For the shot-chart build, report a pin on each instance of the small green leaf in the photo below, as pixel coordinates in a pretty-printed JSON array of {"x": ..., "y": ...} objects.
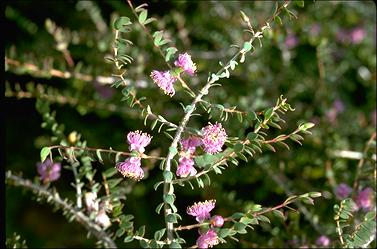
[
  {"x": 144, "y": 244},
  {"x": 251, "y": 116},
  {"x": 268, "y": 113},
  {"x": 128, "y": 239},
  {"x": 238, "y": 147},
  {"x": 173, "y": 150},
  {"x": 121, "y": 22},
  {"x": 251, "y": 136},
  {"x": 238, "y": 226},
  {"x": 263, "y": 218},
  {"x": 169, "y": 199},
  {"x": 304, "y": 127},
  {"x": 168, "y": 176},
  {"x": 237, "y": 215},
  {"x": 143, "y": 16},
  {"x": 174, "y": 244},
  {"x": 246, "y": 47},
  {"x": 370, "y": 215},
  {"x": 279, "y": 214},
  {"x": 170, "y": 52},
  {"x": 141, "y": 231},
  {"x": 171, "y": 218},
  {"x": 315, "y": 194},
  {"x": 44, "y": 153},
  {"x": 278, "y": 20},
  {"x": 245, "y": 220},
  {"x": 159, "y": 207},
  {"x": 98, "y": 153},
  {"x": 256, "y": 208},
  {"x": 158, "y": 234},
  {"x": 110, "y": 172}
]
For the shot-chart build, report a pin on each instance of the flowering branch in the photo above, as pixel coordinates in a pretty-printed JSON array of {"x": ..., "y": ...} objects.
[
  {"x": 204, "y": 91},
  {"x": 84, "y": 220}
]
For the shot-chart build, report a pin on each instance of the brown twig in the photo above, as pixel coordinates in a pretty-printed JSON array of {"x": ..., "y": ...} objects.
[{"x": 103, "y": 150}]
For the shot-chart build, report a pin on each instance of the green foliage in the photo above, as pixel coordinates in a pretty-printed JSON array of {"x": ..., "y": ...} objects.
[{"x": 321, "y": 68}]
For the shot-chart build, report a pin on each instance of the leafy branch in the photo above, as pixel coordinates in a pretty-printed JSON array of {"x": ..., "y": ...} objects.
[{"x": 68, "y": 208}]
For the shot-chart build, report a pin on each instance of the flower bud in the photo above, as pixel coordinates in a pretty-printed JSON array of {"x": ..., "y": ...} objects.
[{"x": 217, "y": 221}]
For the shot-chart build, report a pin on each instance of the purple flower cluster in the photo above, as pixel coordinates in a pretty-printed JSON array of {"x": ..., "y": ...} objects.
[
  {"x": 291, "y": 41},
  {"x": 184, "y": 61},
  {"x": 364, "y": 199},
  {"x": 214, "y": 137},
  {"x": 186, "y": 163},
  {"x": 332, "y": 113},
  {"x": 212, "y": 140},
  {"x": 342, "y": 191},
  {"x": 207, "y": 239},
  {"x": 186, "y": 167},
  {"x": 48, "y": 170},
  {"x": 165, "y": 80},
  {"x": 201, "y": 212},
  {"x": 131, "y": 167},
  {"x": 138, "y": 140},
  {"x": 323, "y": 240},
  {"x": 354, "y": 36}
]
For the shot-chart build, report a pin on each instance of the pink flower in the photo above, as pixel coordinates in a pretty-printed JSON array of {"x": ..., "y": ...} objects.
[
  {"x": 184, "y": 61},
  {"x": 48, "y": 170},
  {"x": 165, "y": 81},
  {"x": 342, "y": 191},
  {"x": 217, "y": 221},
  {"x": 357, "y": 35},
  {"x": 201, "y": 210},
  {"x": 207, "y": 239},
  {"x": 365, "y": 199},
  {"x": 131, "y": 168},
  {"x": 323, "y": 241},
  {"x": 186, "y": 167},
  {"x": 214, "y": 137},
  {"x": 291, "y": 41},
  {"x": 138, "y": 140},
  {"x": 190, "y": 143}
]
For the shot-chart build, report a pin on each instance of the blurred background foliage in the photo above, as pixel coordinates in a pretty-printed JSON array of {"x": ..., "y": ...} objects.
[{"x": 324, "y": 63}]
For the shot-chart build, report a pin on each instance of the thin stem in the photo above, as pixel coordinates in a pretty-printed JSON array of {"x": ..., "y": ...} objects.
[
  {"x": 77, "y": 185},
  {"x": 81, "y": 218},
  {"x": 267, "y": 210},
  {"x": 104, "y": 150},
  {"x": 282, "y": 181},
  {"x": 29, "y": 67},
  {"x": 180, "y": 228},
  {"x": 148, "y": 240},
  {"x": 63, "y": 100}
]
